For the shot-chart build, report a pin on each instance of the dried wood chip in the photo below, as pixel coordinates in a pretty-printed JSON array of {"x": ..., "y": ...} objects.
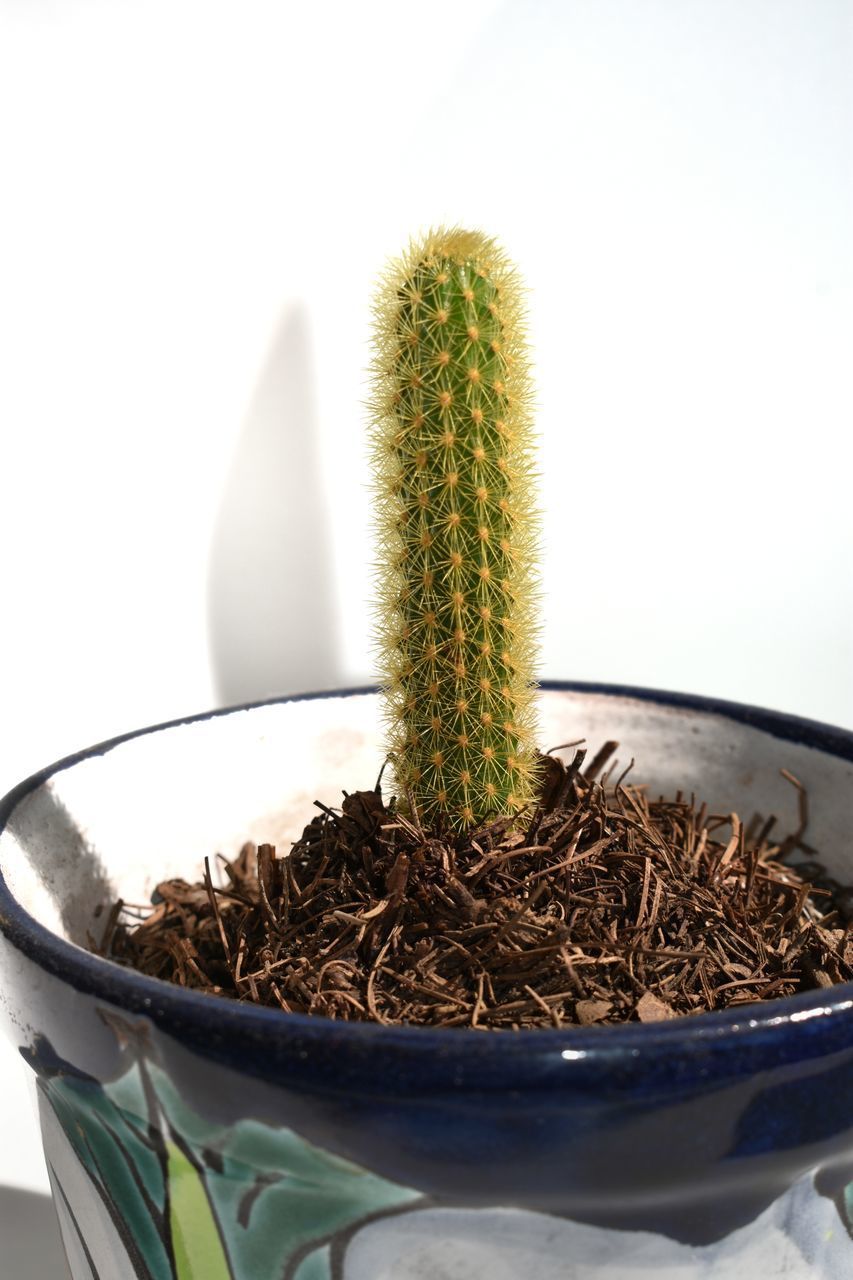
[
  {"x": 652, "y": 1009},
  {"x": 589, "y": 1011}
]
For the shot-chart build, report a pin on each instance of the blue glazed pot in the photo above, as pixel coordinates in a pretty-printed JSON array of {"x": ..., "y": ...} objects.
[{"x": 194, "y": 1138}]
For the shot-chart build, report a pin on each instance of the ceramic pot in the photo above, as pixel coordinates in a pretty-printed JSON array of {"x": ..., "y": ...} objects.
[{"x": 194, "y": 1138}]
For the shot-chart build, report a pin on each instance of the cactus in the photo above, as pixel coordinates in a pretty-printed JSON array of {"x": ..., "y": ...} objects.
[{"x": 452, "y": 455}]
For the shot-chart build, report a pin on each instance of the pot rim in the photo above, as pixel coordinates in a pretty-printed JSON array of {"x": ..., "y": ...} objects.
[{"x": 175, "y": 1007}]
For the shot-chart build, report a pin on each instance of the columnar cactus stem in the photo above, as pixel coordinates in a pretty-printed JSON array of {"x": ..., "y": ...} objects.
[{"x": 452, "y": 449}]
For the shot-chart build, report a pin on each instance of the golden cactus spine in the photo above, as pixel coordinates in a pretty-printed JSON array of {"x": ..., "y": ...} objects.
[{"x": 452, "y": 438}]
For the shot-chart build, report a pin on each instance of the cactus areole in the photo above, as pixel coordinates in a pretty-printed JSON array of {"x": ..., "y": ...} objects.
[{"x": 452, "y": 439}]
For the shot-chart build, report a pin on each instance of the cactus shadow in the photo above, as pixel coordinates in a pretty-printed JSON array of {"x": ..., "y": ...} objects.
[{"x": 271, "y": 613}]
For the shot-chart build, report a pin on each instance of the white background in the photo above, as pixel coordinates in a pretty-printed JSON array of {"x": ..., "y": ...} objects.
[{"x": 195, "y": 199}]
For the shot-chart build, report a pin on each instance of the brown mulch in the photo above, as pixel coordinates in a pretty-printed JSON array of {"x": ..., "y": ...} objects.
[{"x": 605, "y": 906}]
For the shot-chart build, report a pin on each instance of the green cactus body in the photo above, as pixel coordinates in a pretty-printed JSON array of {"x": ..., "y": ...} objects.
[{"x": 452, "y": 444}]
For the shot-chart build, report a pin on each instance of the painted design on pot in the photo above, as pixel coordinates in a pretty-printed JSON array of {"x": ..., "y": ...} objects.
[
  {"x": 144, "y": 1187},
  {"x": 147, "y": 1188}
]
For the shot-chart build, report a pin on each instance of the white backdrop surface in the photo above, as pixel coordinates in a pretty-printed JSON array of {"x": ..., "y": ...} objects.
[{"x": 195, "y": 199}]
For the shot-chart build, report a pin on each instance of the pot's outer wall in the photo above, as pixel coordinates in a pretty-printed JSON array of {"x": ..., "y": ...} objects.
[{"x": 688, "y": 1128}]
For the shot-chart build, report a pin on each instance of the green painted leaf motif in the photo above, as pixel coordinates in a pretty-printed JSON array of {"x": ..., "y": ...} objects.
[
  {"x": 198, "y": 1250},
  {"x": 308, "y": 1195},
  {"x": 124, "y": 1170},
  {"x": 317, "y": 1266},
  {"x": 268, "y": 1204}
]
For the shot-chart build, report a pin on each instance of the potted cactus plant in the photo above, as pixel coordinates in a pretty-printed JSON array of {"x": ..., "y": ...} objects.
[{"x": 189, "y": 1136}]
